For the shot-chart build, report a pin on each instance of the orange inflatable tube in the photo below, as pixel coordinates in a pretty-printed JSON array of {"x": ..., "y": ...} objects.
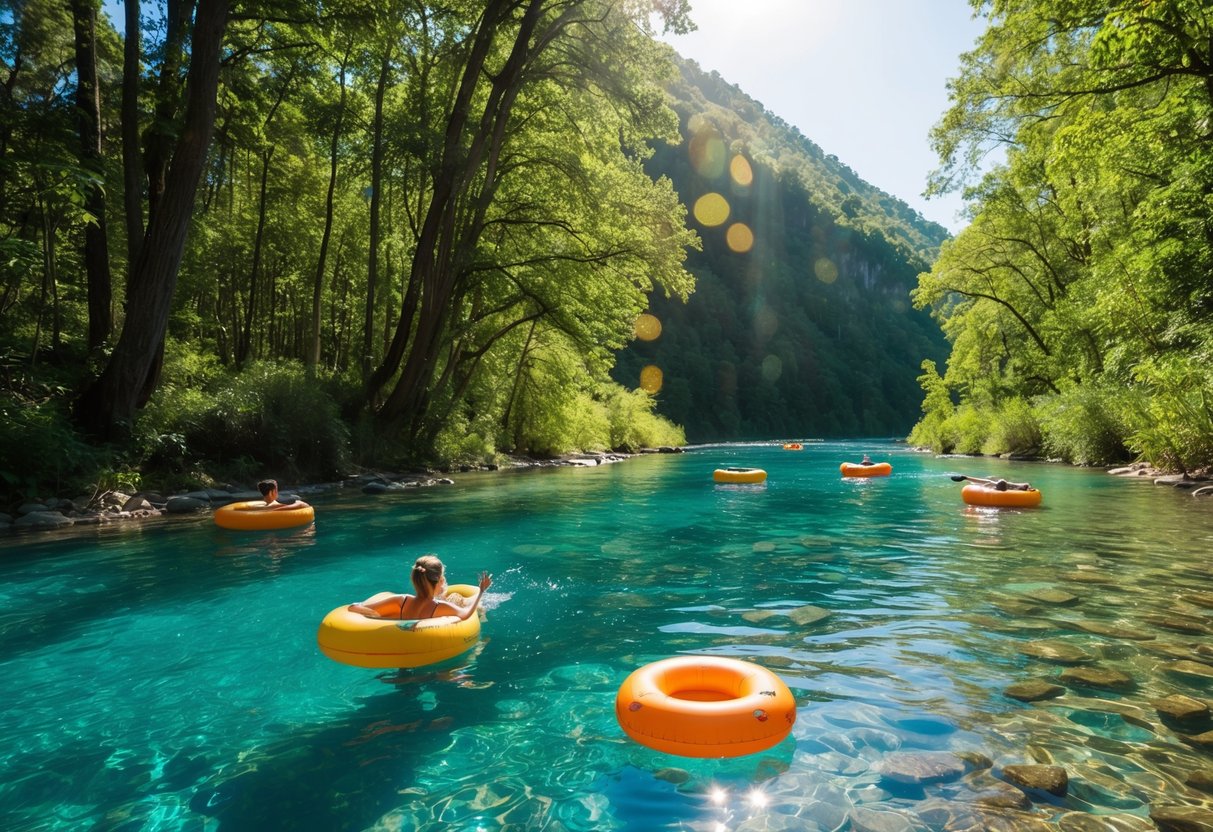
[
  {"x": 705, "y": 706},
  {"x": 793, "y": 446},
  {"x": 877, "y": 469},
  {"x": 980, "y": 495},
  {"x": 739, "y": 476},
  {"x": 254, "y": 516}
]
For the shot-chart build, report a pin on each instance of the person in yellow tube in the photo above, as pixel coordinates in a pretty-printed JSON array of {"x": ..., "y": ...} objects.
[
  {"x": 429, "y": 579},
  {"x": 269, "y": 493}
]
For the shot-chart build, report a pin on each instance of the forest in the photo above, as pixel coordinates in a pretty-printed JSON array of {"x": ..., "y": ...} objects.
[
  {"x": 293, "y": 237},
  {"x": 297, "y": 238},
  {"x": 1078, "y": 301}
]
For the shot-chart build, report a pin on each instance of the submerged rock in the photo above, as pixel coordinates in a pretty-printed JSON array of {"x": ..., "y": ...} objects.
[
  {"x": 1034, "y": 690},
  {"x": 1182, "y": 709},
  {"x": 1182, "y": 819},
  {"x": 1051, "y": 779},
  {"x": 1052, "y": 596},
  {"x": 1058, "y": 652},
  {"x": 1095, "y": 677},
  {"x": 920, "y": 768}
]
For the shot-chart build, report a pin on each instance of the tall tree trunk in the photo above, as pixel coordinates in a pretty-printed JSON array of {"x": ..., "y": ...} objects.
[
  {"x": 245, "y": 345},
  {"x": 159, "y": 135},
  {"x": 88, "y": 117},
  {"x": 445, "y": 242},
  {"x": 132, "y": 167},
  {"x": 107, "y": 407},
  {"x": 313, "y": 357},
  {"x": 452, "y": 167},
  {"x": 372, "y": 266}
]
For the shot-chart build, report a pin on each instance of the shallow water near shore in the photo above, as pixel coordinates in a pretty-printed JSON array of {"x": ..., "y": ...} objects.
[{"x": 164, "y": 675}]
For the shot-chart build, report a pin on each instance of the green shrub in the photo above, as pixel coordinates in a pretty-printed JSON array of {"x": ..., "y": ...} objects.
[
  {"x": 933, "y": 430},
  {"x": 1085, "y": 424},
  {"x": 1172, "y": 423},
  {"x": 969, "y": 427},
  {"x": 42, "y": 453},
  {"x": 1013, "y": 430},
  {"x": 634, "y": 425},
  {"x": 273, "y": 414}
]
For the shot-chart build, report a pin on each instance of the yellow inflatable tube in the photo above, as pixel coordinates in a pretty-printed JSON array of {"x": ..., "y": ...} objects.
[
  {"x": 352, "y": 638},
  {"x": 876, "y": 469},
  {"x": 980, "y": 495},
  {"x": 254, "y": 516},
  {"x": 705, "y": 706},
  {"x": 739, "y": 475}
]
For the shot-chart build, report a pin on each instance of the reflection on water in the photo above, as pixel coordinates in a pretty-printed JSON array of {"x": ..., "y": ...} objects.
[{"x": 167, "y": 677}]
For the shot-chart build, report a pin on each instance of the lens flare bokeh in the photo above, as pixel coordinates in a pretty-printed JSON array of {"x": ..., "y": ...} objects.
[
  {"x": 651, "y": 379},
  {"x": 740, "y": 171},
  {"x": 739, "y": 238},
  {"x": 825, "y": 270},
  {"x": 647, "y": 327},
  {"x": 711, "y": 210}
]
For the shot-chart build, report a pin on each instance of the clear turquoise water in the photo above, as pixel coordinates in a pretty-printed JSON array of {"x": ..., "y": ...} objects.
[{"x": 164, "y": 675}]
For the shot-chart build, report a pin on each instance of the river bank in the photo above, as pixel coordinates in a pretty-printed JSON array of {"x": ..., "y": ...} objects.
[{"x": 114, "y": 506}]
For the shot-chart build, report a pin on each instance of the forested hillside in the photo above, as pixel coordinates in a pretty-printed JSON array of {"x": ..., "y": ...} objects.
[
  {"x": 801, "y": 322},
  {"x": 1079, "y": 302}
]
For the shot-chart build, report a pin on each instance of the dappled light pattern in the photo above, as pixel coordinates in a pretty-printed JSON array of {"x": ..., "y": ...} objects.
[
  {"x": 739, "y": 238},
  {"x": 648, "y": 327},
  {"x": 825, "y": 270},
  {"x": 740, "y": 171},
  {"x": 651, "y": 379},
  {"x": 711, "y": 210}
]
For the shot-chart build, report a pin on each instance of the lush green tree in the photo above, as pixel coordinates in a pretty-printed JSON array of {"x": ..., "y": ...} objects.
[{"x": 1081, "y": 284}]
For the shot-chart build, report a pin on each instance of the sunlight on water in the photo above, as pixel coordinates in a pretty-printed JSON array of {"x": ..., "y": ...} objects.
[{"x": 165, "y": 675}]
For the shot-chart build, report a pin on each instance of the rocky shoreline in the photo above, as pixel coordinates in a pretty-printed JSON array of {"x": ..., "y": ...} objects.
[{"x": 115, "y": 506}]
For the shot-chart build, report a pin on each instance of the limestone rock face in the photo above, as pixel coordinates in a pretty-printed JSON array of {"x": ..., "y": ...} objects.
[{"x": 1051, "y": 779}]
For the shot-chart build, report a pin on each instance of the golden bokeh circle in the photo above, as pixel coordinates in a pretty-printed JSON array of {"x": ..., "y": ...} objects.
[
  {"x": 711, "y": 210},
  {"x": 740, "y": 170},
  {"x": 648, "y": 327},
  {"x": 825, "y": 270},
  {"x": 739, "y": 237},
  {"x": 651, "y": 378}
]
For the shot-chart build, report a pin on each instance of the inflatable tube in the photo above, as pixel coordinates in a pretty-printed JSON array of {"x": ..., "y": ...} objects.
[
  {"x": 739, "y": 475},
  {"x": 876, "y": 469},
  {"x": 352, "y": 638},
  {"x": 793, "y": 446},
  {"x": 705, "y": 706},
  {"x": 254, "y": 516},
  {"x": 980, "y": 495}
]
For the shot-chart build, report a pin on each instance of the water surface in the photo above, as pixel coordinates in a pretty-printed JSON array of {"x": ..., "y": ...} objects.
[{"x": 164, "y": 675}]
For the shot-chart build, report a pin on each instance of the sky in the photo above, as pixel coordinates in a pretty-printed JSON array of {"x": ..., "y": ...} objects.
[{"x": 864, "y": 79}]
